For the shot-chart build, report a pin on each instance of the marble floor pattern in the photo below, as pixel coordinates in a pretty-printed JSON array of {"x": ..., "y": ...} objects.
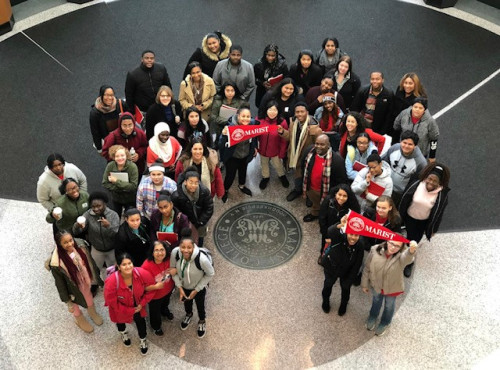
[
  {"x": 264, "y": 319},
  {"x": 268, "y": 319}
]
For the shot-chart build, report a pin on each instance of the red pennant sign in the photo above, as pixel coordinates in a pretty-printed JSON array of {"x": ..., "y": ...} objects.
[
  {"x": 357, "y": 224},
  {"x": 239, "y": 133}
]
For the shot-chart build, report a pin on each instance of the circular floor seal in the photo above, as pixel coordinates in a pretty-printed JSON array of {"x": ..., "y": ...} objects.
[{"x": 257, "y": 235}]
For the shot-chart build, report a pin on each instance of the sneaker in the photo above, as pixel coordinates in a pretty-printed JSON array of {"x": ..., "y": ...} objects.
[
  {"x": 370, "y": 323},
  {"x": 381, "y": 329},
  {"x": 293, "y": 195},
  {"x": 144, "y": 347},
  {"x": 224, "y": 197},
  {"x": 263, "y": 183},
  {"x": 186, "y": 321},
  {"x": 326, "y": 307},
  {"x": 202, "y": 329},
  {"x": 125, "y": 338},
  {"x": 159, "y": 332},
  {"x": 245, "y": 190},
  {"x": 284, "y": 181}
]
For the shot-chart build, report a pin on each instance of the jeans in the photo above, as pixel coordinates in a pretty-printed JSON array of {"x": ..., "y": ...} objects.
[
  {"x": 199, "y": 298},
  {"x": 390, "y": 303}
]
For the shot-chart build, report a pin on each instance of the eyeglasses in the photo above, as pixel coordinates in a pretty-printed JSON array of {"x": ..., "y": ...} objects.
[
  {"x": 159, "y": 251},
  {"x": 394, "y": 245},
  {"x": 164, "y": 96}
]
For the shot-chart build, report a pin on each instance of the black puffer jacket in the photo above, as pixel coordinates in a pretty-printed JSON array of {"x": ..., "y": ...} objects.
[
  {"x": 206, "y": 58},
  {"x": 143, "y": 83},
  {"x": 129, "y": 242},
  {"x": 382, "y": 117},
  {"x": 199, "y": 212},
  {"x": 156, "y": 113},
  {"x": 276, "y": 69}
]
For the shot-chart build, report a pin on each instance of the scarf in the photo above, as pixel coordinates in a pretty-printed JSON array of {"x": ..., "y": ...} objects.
[
  {"x": 197, "y": 94},
  {"x": 99, "y": 105},
  {"x": 205, "y": 172},
  {"x": 295, "y": 147},
  {"x": 324, "y": 61},
  {"x": 162, "y": 150},
  {"x": 325, "y": 177}
]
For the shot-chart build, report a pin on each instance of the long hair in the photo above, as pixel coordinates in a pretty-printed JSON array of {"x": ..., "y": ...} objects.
[
  {"x": 393, "y": 215},
  {"x": 68, "y": 262},
  {"x": 199, "y": 126},
  {"x": 419, "y": 88},
  {"x": 348, "y": 60},
  {"x": 359, "y": 119},
  {"x": 276, "y": 90},
  {"x": 168, "y": 90},
  {"x": 352, "y": 201},
  {"x": 326, "y": 114}
]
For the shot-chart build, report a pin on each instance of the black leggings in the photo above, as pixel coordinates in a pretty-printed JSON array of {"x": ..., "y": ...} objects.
[
  {"x": 200, "y": 303},
  {"x": 330, "y": 279},
  {"x": 233, "y": 165},
  {"x": 157, "y": 307},
  {"x": 415, "y": 229},
  {"x": 140, "y": 322}
]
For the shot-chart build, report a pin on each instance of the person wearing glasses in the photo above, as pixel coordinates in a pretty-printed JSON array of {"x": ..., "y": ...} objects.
[
  {"x": 73, "y": 203},
  {"x": 165, "y": 109},
  {"x": 383, "y": 276}
]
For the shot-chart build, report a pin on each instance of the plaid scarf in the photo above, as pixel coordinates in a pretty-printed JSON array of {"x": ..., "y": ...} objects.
[{"x": 325, "y": 177}]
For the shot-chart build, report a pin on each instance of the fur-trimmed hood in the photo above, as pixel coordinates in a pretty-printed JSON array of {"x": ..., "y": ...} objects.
[{"x": 225, "y": 44}]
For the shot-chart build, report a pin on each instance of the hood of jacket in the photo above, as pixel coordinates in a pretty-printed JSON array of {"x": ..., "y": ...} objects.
[{"x": 225, "y": 41}]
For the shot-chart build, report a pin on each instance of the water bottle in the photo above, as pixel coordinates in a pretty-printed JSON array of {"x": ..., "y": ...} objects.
[{"x": 132, "y": 151}]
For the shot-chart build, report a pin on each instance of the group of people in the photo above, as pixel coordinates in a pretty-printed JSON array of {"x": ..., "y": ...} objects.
[{"x": 165, "y": 162}]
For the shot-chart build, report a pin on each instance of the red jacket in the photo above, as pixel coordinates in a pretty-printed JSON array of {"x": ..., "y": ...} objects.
[
  {"x": 378, "y": 141},
  {"x": 272, "y": 144},
  {"x": 158, "y": 271},
  {"x": 120, "y": 300},
  {"x": 137, "y": 141}
]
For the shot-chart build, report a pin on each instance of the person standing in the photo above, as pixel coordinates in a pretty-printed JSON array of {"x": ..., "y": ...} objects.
[
  {"x": 142, "y": 83},
  {"x": 74, "y": 272},
  {"x": 237, "y": 70},
  {"x": 57, "y": 169},
  {"x": 194, "y": 272},
  {"x": 374, "y": 102},
  {"x": 197, "y": 90},
  {"x": 214, "y": 48},
  {"x": 126, "y": 297},
  {"x": 323, "y": 168},
  {"x": 383, "y": 275},
  {"x": 342, "y": 260},
  {"x": 272, "y": 64}
]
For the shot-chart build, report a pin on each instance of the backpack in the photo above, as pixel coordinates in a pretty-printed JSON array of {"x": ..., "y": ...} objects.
[
  {"x": 118, "y": 280},
  {"x": 203, "y": 250}
]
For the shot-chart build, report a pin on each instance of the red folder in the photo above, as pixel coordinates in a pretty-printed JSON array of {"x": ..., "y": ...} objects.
[
  {"x": 358, "y": 166},
  {"x": 171, "y": 238},
  {"x": 374, "y": 189},
  {"x": 274, "y": 80}
]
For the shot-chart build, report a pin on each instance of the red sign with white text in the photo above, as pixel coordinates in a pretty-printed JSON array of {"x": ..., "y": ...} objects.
[
  {"x": 239, "y": 133},
  {"x": 360, "y": 225}
]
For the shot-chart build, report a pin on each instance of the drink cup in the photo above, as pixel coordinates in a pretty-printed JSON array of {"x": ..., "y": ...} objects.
[
  {"x": 57, "y": 213},
  {"x": 81, "y": 220}
]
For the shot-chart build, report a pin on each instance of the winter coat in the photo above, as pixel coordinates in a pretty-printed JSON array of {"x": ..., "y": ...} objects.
[
  {"x": 426, "y": 129},
  {"x": 180, "y": 222},
  {"x": 382, "y": 273},
  {"x": 101, "y": 238},
  {"x": 147, "y": 196},
  {"x": 67, "y": 288},
  {"x": 273, "y": 144},
  {"x": 126, "y": 241},
  {"x": 359, "y": 184},
  {"x": 186, "y": 97},
  {"x": 306, "y": 81},
  {"x": 245, "y": 78},
  {"x": 382, "y": 117},
  {"x": 156, "y": 113},
  {"x": 437, "y": 210},
  {"x": 71, "y": 210},
  {"x": 119, "y": 298},
  {"x": 216, "y": 182},
  {"x": 226, "y": 152},
  {"x": 330, "y": 215},
  {"x": 136, "y": 140},
  {"x": 343, "y": 260},
  {"x": 142, "y": 84},
  {"x": 401, "y": 102},
  {"x": 285, "y": 107},
  {"x": 375, "y": 138},
  {"x": 208, "y": 60},
  {"x": 337, "y": 171},
  {"x": 279, "y": 67},
  {"x": 198, "y": 213},
  {"x": 193, "y": 277},
  {"x": 47, "y": 188},
  {"x": 201, "y": 130},
  {"x": 353, "y": 155},
  {"x": 403, "y": 167},
  {"x": 349, "y": 88},
  {"x": 101, "y": 124},
  {"x": 122, "y": 192},
  {"x": 217, "y": 123}
]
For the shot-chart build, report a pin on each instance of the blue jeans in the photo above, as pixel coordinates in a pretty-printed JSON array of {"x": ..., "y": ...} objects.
[{"x": 390, "y": 303}]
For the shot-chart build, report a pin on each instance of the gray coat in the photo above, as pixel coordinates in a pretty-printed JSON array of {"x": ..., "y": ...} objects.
[
  {"x": 245, "y": 77},
  {"x": 101, "y": 238},
  {"x": 426, "y": 129}
]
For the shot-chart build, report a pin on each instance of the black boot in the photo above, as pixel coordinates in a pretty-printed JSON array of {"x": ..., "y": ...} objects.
[
  {"x": 342, "y": 308},
  {"x": 326, "y": 306}
]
